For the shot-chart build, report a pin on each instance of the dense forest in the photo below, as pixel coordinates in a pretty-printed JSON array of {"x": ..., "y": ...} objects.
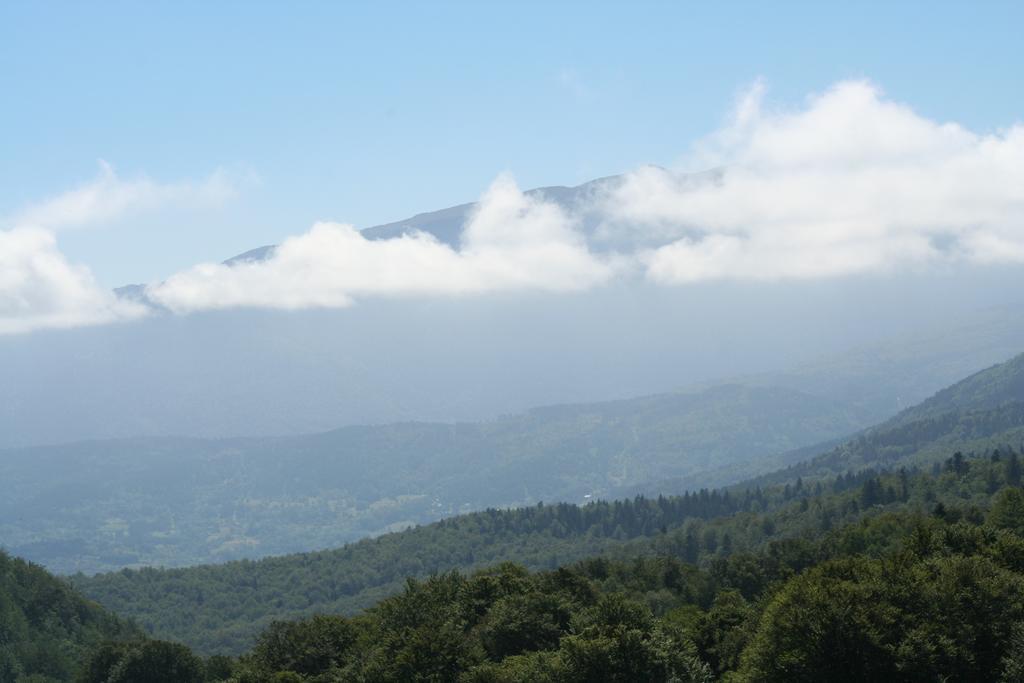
[
  {"x": 46, "y": 628},
  {"x": 908, "y": 565},
  {"x": 921, "y": 579},
  {"x": 874, "y": 575},
  {"x": 220, "y": 608}
]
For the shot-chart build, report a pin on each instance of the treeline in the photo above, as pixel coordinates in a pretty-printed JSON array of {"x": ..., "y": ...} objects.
[
  {"x": 897, "y": 596},
  {"x": 221, "y": 608},
  {"x": 925, "y": 565}
]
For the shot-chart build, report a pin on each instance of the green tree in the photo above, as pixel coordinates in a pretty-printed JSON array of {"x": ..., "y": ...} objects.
[
  {"x": 723, "y": 630},
  {"x": 308, "y": 647},
  {"x": 937, "y": 618},
  {"x": 1007, "y": 510},
  {"x": 521, "y": 623},
  {"x": 1013, "y": 470},
  {"x": 148, "y": 661}
]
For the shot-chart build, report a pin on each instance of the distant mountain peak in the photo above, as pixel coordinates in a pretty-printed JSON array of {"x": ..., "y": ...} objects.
[
  {"x": 447, "y": 224},
  {"x": 253, "y": 255}
]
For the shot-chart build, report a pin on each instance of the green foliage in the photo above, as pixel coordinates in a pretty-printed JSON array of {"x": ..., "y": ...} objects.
[
  {"x": 221, "y": 608},
  {"x": 922, "y": 599},
  {"x": 916, "y": 577},
  {"x": 524, "y": 622},
  {"x": 900, "y": 619},
  {"x": 845, "y": 568},
  {"x": 723, "y": 631},
  {"x": 45, "y": 626},
  {"x": 897, "y": 596},
  {"x": 480, "y": 628},
  {"x": 1008, "y": 510},
  {"x": 143, "y": 661},
  {"x": 305, "y": 647},
  {"x": 739, "y": 557},
  {"x": 1013, "y": 661}
]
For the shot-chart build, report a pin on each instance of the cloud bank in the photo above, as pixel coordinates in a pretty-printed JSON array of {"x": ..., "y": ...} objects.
[
  {"x": 850, "y": 182},
  {"x": 40, "y": 289},
  {"x": 511, "y": 242}
]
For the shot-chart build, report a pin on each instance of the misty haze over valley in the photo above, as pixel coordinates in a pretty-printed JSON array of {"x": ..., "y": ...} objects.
[{"x": 698, "y": 354}]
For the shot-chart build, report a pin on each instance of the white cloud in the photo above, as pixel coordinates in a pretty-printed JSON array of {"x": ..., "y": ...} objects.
[
  {"x": 40, "y": 289},
  {"x": 511, "y": 242},
  {"x": 109, "y": 197},
  {"x": 850, "y": 183}
]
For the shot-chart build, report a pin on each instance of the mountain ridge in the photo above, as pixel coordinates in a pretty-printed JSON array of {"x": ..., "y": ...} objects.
[
  {"x": 247, "y": 497},
  {"x": 987, "y": 405}
]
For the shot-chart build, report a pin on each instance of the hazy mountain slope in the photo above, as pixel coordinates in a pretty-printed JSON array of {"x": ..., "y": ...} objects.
[
  {"x": 46, "y": 626},
  {"x": 357, "y": 575},
  {"x": 993, "y": 387},
  {"x": 973, "y": 412},
  {"x": 447, "y": 224},
  {"x": 180, "y": 501},
  {"x": 221, "y": 607},
  {"x": 884, "y": 378},
  {"x": 99, "y": 505},
  {"x": 984, "y": 410}
]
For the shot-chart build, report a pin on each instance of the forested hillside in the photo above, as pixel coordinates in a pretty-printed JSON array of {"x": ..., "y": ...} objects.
[
  {"x": 892, "y": 577},
  {"x": 105, "y": 505},
  {"x": 990, "y": 388},
  {"x": 46, "y": 628},
  {"x": 219, "y": 608},
  {"x": 986, "y": 407},
  {"x": 902, "y": 596}
]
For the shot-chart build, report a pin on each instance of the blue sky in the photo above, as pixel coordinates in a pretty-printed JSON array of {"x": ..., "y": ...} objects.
[{"x": 369, "y": 112}]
